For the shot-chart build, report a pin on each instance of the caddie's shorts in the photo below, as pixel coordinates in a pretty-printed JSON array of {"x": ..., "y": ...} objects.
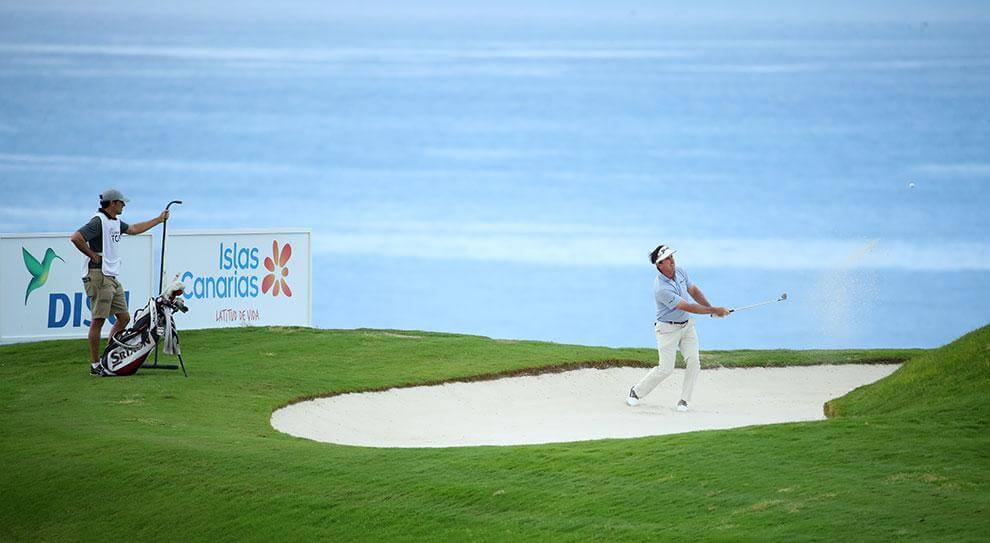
[{"x": 106, "y": 295}]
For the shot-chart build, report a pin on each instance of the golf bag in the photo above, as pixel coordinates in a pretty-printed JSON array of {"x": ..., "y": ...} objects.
[{"x": 129, "y": 348}]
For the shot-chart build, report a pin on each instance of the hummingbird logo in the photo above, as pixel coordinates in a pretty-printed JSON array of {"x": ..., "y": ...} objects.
[{"x": 39, "y": 270}]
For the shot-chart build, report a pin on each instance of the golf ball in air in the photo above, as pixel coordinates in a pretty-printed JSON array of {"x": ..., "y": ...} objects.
[{"x": 911, "y": 185}]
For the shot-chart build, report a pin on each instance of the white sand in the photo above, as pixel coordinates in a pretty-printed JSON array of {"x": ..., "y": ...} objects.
[{"x": 570, "y": 406}]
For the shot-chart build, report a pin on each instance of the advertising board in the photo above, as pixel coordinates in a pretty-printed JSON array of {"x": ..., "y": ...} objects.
[
  {"x": 242, "y": 278},
  {"x": 41, "y": 289}
]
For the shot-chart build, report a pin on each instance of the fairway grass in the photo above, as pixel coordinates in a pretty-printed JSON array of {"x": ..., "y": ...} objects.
[{"x": 161, "y": 457}]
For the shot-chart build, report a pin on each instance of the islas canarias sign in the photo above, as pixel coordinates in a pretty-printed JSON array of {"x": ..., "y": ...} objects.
[{"x": 254, "y": 278}]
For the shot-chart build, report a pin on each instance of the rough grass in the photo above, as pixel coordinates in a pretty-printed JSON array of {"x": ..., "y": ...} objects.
[
  {"x": 160, "y": 457},
  {"x": 947, "y": 384}
]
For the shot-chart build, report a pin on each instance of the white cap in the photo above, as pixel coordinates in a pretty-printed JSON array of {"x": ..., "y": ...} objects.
[{"x": 663, "y": 252}]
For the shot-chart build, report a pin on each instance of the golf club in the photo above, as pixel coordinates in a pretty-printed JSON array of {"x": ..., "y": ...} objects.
[
  {"x": 781, "y": 299},
  {"x": 161, "y": 284}
]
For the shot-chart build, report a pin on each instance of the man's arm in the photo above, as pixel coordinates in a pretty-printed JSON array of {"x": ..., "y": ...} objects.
[
  {"x": 142, "y": 227},
  {"x": 79, "y": 241},
  {"x": 698, "y": 296},
  {"x": 699, "y": 309}
]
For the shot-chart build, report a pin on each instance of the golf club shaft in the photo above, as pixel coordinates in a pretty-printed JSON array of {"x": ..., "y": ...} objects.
[
  {"x": 780, "y": 299},
  {"x": 161, "y": 281},
  {"x": 752, "y": 306},
  {"x": 161, "y": 276}
]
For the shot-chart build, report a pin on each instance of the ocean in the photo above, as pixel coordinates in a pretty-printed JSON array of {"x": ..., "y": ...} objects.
[{"x": 508, "y": 178}]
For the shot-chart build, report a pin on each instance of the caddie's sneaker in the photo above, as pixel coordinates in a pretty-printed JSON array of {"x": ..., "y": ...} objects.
[
  {"x": 632, "y": 399},
  {"x": 682, "y": 406},
  {"x": 95, "y": 370}
]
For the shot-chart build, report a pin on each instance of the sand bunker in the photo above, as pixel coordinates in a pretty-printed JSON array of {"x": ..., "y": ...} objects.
[{"x": 570, "y": 406}]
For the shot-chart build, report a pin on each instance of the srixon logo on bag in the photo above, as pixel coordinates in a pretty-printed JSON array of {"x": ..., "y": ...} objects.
[{"x": 126, "y": 354}]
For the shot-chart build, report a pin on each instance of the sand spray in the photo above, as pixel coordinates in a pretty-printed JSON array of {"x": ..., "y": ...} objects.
[{"x": 844, "y": 294}]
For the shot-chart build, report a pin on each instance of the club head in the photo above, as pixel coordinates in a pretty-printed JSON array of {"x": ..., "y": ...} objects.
[{"x": 782, "y": 297}]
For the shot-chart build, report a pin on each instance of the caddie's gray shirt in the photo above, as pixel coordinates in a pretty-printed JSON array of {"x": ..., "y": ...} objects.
[
  {"x": 92, "y": 232},
  {"x": 668, "y": 293}
]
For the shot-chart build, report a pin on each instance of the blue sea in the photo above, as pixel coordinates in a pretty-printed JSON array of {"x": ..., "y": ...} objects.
[{"x": 507, "y": 176}]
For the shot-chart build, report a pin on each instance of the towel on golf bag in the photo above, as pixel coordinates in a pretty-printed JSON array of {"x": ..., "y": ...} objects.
[
  {"x": 170, "y": 337},
  {"x": 127, "y": 350}
]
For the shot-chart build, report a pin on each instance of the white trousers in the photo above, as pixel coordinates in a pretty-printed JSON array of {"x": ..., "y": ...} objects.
[{"x": 670, "y": 338}]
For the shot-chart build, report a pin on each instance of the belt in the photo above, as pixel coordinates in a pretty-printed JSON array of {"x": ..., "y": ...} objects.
[{"x": 673, "y": 322}]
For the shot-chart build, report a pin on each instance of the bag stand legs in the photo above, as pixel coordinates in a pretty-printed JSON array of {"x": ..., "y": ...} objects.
[
  {"x": 183, "y": 366},
  {"x": 157, "y": 366}
]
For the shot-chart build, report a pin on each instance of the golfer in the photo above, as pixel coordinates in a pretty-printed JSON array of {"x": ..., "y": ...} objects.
[
  {"x": 674, "y": 327},
  {"x": 99, "y": 242}
]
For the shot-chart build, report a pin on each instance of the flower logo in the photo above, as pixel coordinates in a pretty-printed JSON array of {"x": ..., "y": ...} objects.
[{"x": 276, "y": 265}]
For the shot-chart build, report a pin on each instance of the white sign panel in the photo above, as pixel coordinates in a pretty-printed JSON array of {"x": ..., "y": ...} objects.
[
  {"x": 237, "y": 278},
  {"x": 41, "y": 289}
]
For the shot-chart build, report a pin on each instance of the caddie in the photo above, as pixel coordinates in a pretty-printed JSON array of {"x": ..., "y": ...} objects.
[
  {"x": 99, "y": 242},
  {"x": 674, "y": 326}
]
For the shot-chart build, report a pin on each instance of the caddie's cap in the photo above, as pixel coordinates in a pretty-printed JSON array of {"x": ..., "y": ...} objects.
[
  {"x": 662, "y": 252},
  {"x": 112, "y": 194}
]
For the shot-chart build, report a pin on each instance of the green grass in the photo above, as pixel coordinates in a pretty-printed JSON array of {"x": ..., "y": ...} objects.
[{"x": 160, "y": 457}]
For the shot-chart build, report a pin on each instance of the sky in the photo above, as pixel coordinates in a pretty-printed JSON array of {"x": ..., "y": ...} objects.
[{"x": 720, "y": 11}]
